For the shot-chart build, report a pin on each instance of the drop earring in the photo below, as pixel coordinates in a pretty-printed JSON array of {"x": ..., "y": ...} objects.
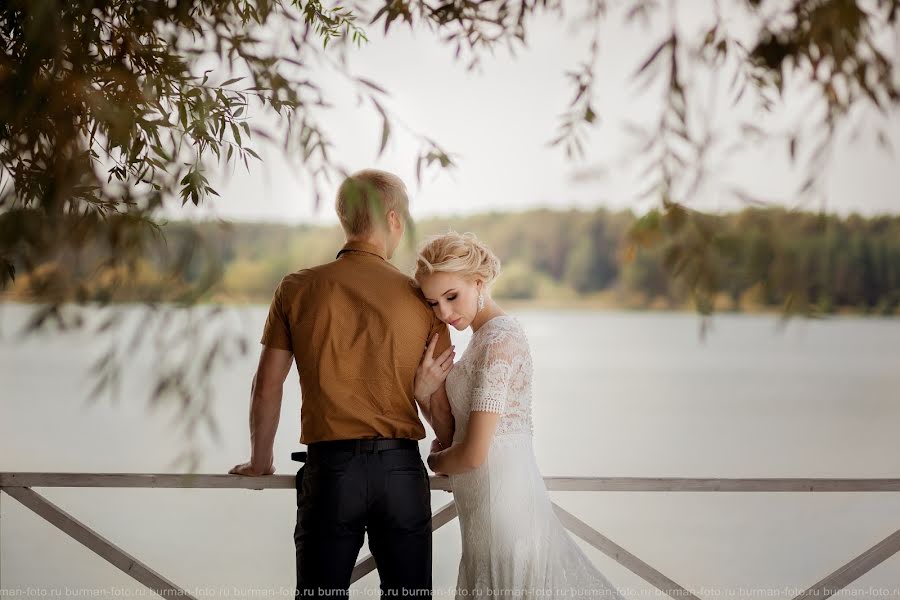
[{"x": 480, "y": 301}]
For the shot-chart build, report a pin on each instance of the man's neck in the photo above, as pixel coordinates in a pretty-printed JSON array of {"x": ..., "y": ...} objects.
[{"x": 373, "y": 240}]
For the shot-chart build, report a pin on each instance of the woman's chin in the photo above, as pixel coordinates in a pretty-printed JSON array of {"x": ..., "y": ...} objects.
[{"x": 459, "y": 325}]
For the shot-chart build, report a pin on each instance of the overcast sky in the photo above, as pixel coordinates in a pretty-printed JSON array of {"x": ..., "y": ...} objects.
[{"x": 498, "y": 120}]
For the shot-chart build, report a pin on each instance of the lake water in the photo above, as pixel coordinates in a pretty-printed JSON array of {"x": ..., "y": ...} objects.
[{"x": 616, "y": 394}]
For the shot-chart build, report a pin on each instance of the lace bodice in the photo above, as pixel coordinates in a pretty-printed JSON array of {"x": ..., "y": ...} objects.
[{"x": 494, "y": 374}]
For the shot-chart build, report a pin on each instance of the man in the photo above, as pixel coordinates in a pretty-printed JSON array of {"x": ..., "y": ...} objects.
[{"x": 357, "y": 329}]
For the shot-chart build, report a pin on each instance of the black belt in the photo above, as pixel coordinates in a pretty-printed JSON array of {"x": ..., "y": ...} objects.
[{"x": 356, "y": 446}]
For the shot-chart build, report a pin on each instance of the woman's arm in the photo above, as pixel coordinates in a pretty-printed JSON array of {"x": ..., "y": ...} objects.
[{"x": 471, "y": 452}]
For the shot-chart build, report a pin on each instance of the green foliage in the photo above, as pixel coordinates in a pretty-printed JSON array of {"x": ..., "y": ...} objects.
[
  {"x": 517, "y": 282},
  {"x": 756, "y": 258},
  {"x": 591, "y": 264},
  {"x": 110, "y": 110}
]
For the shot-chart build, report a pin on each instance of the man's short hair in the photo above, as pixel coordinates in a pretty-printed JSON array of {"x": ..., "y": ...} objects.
[{"x": 366, "y": 197}]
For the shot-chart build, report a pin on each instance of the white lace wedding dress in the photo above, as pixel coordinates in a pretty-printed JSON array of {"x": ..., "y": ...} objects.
[{"x": 513, "y": 544}]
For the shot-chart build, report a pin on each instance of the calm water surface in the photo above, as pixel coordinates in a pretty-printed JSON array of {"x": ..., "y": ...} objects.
[{"x": 616, "y": 394}]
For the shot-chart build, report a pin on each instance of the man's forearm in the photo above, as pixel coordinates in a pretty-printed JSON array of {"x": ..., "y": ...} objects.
[
  {"x": 439, "y": 417},
  {"x": 442, "y": 422},
  {"x": 265, "y": 411}
]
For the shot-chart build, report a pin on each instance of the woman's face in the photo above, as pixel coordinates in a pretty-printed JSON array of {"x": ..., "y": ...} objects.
[{"x": 453, "y": 298}]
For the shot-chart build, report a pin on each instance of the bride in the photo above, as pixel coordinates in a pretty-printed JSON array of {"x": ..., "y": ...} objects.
[{"x": 513, "y": 544}]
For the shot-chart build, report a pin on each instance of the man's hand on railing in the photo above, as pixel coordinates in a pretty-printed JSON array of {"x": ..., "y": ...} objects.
[{"x": 248, "y": 468}]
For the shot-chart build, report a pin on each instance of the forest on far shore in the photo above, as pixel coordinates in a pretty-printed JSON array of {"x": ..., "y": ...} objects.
[{"x": 757, "y": 259}]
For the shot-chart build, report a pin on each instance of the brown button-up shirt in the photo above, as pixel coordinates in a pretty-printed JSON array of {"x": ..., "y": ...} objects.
[{"x": 358, "y": 328}]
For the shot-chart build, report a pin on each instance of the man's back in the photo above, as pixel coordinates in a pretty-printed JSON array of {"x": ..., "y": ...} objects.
[{"x": 358, "y": 328}]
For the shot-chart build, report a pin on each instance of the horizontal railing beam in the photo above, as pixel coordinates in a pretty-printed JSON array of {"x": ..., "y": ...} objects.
[
  {"x": 705, "y": 484},
  {"x": 560, "y": 484}
]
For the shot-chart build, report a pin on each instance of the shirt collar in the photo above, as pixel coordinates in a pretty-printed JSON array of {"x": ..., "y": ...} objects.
[{"x": 362, "y": 247}]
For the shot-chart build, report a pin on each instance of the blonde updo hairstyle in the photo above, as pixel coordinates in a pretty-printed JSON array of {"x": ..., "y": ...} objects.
[{"x": 460, "y": 253}]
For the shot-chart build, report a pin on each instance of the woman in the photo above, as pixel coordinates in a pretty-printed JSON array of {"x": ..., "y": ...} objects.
[{"x": 512, "y": 542}]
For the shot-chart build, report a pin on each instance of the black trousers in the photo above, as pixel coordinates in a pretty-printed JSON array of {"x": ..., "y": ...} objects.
[{"x": 345, "y": 490}]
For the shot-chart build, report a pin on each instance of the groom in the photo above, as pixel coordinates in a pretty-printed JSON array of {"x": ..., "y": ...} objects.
[{"x": 357, "y": 329}]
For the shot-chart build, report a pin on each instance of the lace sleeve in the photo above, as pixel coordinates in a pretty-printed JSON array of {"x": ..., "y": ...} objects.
[{"x": 493, "y": 372}]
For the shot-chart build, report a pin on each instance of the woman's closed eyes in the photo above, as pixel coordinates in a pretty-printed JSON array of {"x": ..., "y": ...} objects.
[{"x": 449, "y": 298}]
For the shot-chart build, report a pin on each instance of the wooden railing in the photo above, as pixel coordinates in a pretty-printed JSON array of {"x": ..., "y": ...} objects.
[{"x": 20, "y": 486}]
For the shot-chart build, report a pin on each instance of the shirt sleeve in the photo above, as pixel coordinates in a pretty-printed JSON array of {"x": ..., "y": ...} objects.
[
  {"x": 277, "y": 330},
  {"x": 493, "y": 376}
]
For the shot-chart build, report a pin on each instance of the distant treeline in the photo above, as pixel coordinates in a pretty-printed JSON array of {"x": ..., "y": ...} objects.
[{"x": 753, "y": 259}]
